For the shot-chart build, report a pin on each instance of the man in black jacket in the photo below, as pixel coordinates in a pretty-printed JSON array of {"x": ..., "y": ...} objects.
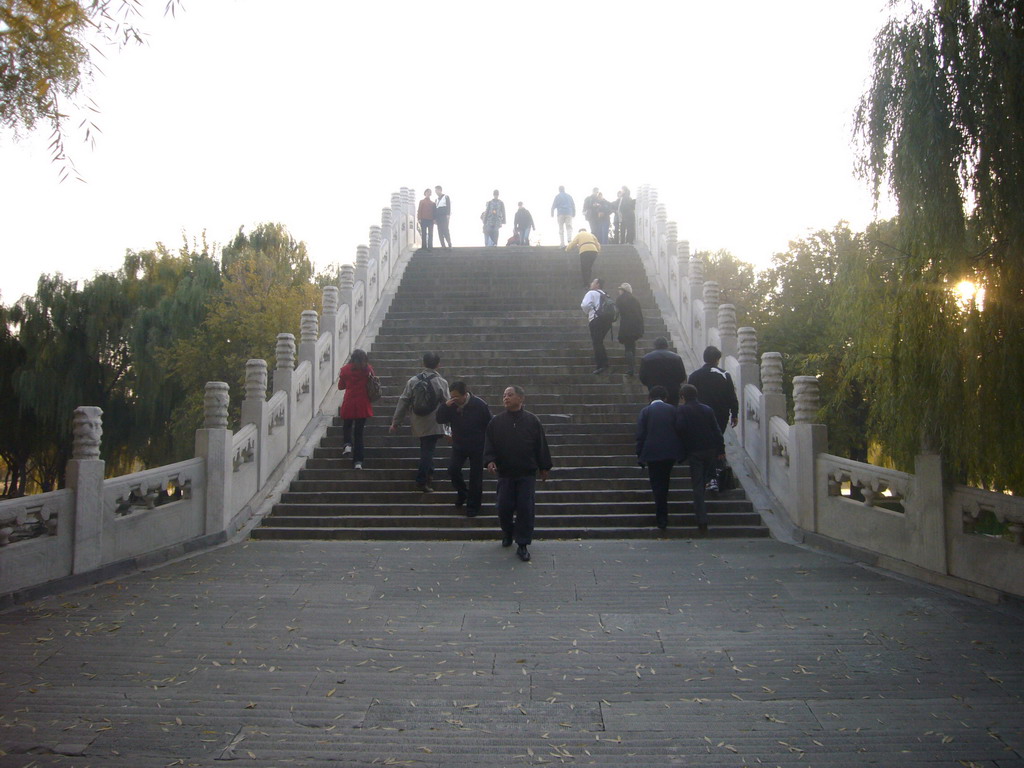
[
  {"x": 468, "y": 416},
  {"x": 702, "y": 443},
  {"x": 717, "y": 391},
  {"x": 631, "y": 324},
  {"x": 664, "y": 367},
  {"x": 516, "y": 449}
]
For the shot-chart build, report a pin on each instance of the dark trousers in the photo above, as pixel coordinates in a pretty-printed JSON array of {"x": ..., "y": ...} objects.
[
  {"x": 587, "y": 266},
  {"x": 427, "y": 233},
  {"x": 602, "y": 231},
  {"x": 627, "y": 229},
  {"x": 598, "y": 330},
  {"x": 425, "y": 471},
  {"x": 702, "y": 466},
  {"x": 660, "y": 472},
  {"x": 629, "y": 352},
  {"x": 443, "y": 236},
  {"x": 516, "y": 496},
  {"x": 353, "y": 433},
  {"x": 475, "y": 491}
]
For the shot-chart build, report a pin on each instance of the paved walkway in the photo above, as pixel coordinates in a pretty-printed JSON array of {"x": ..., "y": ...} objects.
[{"x": 648, "y": 653}]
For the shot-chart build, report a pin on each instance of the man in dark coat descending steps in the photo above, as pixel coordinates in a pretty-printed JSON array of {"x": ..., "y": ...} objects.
[{"x": 516, "y": 449}]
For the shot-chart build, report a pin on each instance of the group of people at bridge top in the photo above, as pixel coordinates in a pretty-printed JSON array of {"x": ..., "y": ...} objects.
[
  {"x": 609, "y": 221},
  {"x": 605, "y": 218}
]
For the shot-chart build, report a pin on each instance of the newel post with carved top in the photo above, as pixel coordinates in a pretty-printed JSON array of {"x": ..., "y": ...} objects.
[
  {"x": 254, "y": 411},
  {"x": 213, "y": 444},
  {"x": 85, "y": 478},
  {"x": 806, "y": 440},
  {"x": 750, "y": 373}
]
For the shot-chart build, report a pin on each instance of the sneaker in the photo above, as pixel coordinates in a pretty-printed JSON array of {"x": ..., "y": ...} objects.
[
  {"x": 347, "y": 450},
  {"x": 358, "y": 465},
  {"x": 712, "y": 486}
]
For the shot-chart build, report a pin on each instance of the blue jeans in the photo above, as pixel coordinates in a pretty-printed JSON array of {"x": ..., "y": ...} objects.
[
  {"x": 524, "y": 235},
  {"x": 516, "y": 496},
  {"x": 491, "y": 236},
  {"x": 427, "y": 233},
  {"x": 425, "y": 471}
]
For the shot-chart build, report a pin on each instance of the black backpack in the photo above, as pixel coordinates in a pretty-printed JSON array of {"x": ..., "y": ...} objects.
[
  {"x": 425, "y": 397},
  {"x": 606, "y": 309}
]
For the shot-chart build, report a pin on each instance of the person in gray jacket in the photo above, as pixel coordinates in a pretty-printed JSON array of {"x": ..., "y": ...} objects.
[{"x": 424, "y": 425}]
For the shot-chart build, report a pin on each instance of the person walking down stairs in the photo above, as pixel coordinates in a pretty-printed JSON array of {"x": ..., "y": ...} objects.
[
  {"x": 468, "y": 417},
  {"x": 423, "y": 393},
  {"x": 356, "y": 408}
]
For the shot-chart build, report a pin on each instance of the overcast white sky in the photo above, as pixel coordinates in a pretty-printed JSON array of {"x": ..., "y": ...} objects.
[{"x": 312, "y": 113}]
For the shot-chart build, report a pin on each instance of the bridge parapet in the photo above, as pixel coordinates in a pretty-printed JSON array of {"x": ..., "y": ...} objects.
[
  {"x": 99, "y": 526},
  {"x": 914, "y": 523}
]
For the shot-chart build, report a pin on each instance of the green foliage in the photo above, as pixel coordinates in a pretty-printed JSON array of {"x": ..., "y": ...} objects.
[
  {"x": 46, "y": 50},
  {"x": 942, "y": 126},
  {"x": 141, "y": 344},
  {"x": 266, "y": 286},
  {"x": 737, "y": 281}
]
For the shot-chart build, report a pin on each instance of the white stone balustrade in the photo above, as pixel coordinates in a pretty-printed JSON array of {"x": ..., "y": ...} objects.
[{"x": 153, "y": 513}]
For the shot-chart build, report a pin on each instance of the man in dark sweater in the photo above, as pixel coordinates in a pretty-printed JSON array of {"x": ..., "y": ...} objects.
[
  {"x": 702, "y": 443},
  {"x": 663, "y": 366},
  {"x": 516, "y": 449},
  {"x": 468, "y": 416},
  {"x": 717, "y": 391}
]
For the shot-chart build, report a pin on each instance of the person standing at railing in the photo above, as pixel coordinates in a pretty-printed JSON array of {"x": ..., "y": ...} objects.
[
  {"x": 425, "y": 216},
  {"x": 626, "y": 218},
  {"x": 442, "y": 213},
  {"x": 356, "y": 408}
]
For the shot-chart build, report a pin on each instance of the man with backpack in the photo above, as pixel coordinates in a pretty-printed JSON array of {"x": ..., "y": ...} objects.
[
  {"x": 601, "y": 314},
  {"x": 421, "y": 396}
]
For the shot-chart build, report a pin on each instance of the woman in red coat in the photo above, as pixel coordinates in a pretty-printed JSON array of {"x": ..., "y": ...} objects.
[{"x": 356, "y": 407}]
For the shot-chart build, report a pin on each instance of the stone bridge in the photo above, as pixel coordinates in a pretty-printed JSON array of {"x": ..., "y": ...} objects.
[{"x": 208, "y": 611}]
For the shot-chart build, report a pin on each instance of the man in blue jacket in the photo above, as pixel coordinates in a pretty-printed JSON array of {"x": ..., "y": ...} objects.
[
  {"x": 565, "y": 207},
  {"x": 658, "y": 448},
  {"x": 702, "y": 443},
  {"x": 468, "y": 416}
]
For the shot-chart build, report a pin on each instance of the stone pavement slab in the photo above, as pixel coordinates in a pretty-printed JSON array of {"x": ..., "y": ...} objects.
[{"x": 607, "y": 653}]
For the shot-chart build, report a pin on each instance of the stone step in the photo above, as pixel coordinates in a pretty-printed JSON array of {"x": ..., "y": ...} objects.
[{"x": 498, "y": 317}]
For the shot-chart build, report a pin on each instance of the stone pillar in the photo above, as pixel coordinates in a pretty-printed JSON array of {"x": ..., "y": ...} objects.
[
  {"x": 309, "y": 329},
  {"x": 749, "y": 371},
  {"x": 399, "y": 225},
  {"x": 806, "y": 441},
  {"x": 329, "y": 321},
  {"x": 681, "y": 294},
  {"x": 661, "y": 224},
  {"x": 377, "y": 273},
  {"x": 925, "y": 513},
  {"x": 345, "y": 335},
  {"x": 692, "y": 321},
  {"x": 213, "y": 444},
  {"x": 773, "y": 403},
  {"x": 712, "y": 295},
  {"x": 284, "y": 370},
  {"x": 727, "y": 330},
  {"x": 84, "y": 477},
  {"x": 254, "y": 411},
  {"x": 409, "y": 211}
]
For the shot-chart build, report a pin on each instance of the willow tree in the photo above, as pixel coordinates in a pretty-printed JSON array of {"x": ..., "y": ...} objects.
[{"x": 941, "y": 128}]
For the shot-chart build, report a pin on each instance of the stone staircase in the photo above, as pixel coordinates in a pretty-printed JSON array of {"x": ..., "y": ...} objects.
[{"x": 499, "y": 317}]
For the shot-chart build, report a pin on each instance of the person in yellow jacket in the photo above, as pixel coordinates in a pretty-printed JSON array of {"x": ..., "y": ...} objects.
[{"x": 588, "y": 247}]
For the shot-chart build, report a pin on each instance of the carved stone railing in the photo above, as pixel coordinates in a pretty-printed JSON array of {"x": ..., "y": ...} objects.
[
  {"x": 96, "y": 523},
  {"x": 914, "y": 522}
]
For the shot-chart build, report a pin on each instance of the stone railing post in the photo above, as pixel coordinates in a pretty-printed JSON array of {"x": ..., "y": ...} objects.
[
  {"x": 362, "y": 276},
  {"x": 712, "y": 296},
  {"x": 773, "y": 403},
  {"x": 727, "y": 330},
  {"x": 254, "y": 411},
  {"x": 329, "y": 321},
  {"x": 681, "y": 291},
  {"x": 309, "y": 329},
  {"x": 213, "y": 444},
  {"x": 693, "y": 322},
  {"x": 806, "y": 440},
  {"x": 409, "y": 211},
  {"x": 284, "y": 370},
  {"x": 661, "y": 224},
  {"x": 398, "y": 224},
  {"x": 749, "y": 373},
  {"x": 378, "y": 274},
  {"x": 925, "y": 514},
  {"x": 84, "y": 477}
]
